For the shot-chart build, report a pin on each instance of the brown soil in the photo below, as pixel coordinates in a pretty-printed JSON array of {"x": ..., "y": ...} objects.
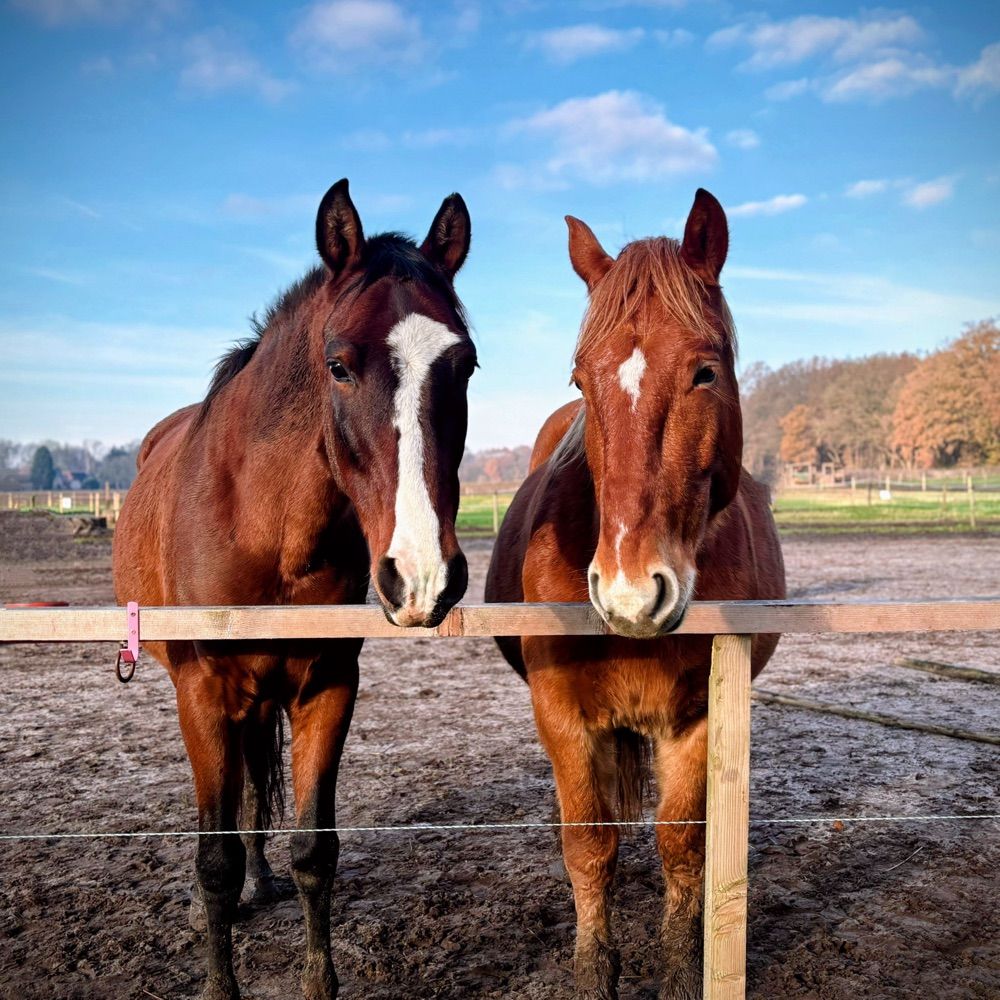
[{"x": 443, "y": 732}]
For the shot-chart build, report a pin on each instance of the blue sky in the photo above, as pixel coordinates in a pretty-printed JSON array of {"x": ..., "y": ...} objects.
[{"x": 162, "y": 162}]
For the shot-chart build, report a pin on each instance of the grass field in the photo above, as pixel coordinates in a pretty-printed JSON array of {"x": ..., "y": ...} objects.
[{"x": 828, "y": 511}]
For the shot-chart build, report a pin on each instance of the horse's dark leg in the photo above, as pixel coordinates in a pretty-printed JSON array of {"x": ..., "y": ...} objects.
[
  {"x": 680, "y": 771},
  {"x": 320, "y": 716},
  {"x": 584, "y": 768},
  {"x": 262, "y": 758},
  {"x": 212, "y": 737}
]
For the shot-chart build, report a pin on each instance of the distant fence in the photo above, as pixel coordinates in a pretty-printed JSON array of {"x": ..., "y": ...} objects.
[
  {"x": 728, "y": 768},
  {"x": 107, "y": 503}
]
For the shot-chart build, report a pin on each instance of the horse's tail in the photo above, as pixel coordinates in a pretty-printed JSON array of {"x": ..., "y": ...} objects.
[
  {"x": 264, "y": 787},
  {"x": 632, "y": 757}
]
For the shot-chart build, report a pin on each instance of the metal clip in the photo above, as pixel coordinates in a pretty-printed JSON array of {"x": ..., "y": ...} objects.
[{"x": 128, "y": 655}]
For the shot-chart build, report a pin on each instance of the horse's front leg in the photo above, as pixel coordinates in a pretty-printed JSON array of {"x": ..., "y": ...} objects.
[
  {"x": 212, "y": 737},
  {"x": 583, "y": 765},
  {"x": 320, "y": 715},
  {"x": 680, "y": 774}
]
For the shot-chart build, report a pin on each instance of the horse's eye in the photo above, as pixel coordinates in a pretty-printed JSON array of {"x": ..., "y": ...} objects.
[
  {"x": 338, "y": 371},
  {"x": 705, "y": 376}
]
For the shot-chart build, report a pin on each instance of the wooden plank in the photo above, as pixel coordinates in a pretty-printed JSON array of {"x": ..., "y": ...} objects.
[
  {"x": 314, "y": 622},
  {"x": 829, "y": 708},
  {"x": 727, "y": 816},
  {"x": 949, "y": 670}
]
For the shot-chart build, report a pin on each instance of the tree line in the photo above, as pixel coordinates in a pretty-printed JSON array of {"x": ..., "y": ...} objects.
[
  {"x": 876, "y": 412},
  {"x": 882, "y": 411},
  {"x": 46, "y": 465}
]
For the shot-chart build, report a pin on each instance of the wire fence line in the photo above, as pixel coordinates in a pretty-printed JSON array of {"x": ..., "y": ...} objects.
[{"x": 413, "y": 828}]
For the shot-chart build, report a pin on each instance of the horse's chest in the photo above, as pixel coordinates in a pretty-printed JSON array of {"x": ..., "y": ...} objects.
[{"x": 650, "y": 698}]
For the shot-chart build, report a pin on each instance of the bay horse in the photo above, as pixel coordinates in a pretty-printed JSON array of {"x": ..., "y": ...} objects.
[
  {"x": 637, "y": 501},
  {"x": 324, "y": 455}
]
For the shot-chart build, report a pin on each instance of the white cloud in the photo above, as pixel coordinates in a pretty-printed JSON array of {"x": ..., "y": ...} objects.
[
  {"x": 869, "y": 303},
  {"x": 616, "y": 136},
  {"x": 247, "y": 207},
  {"x": 772, "y": 206},
  {"x": 431, "y": 138},
  {"x": 216, "y": 64},
  {"x": 981, "y": 77},
  {"x": 56, "y": 13},
  {"x": 788, "y": 89},
  {"x": 895, "y": 76},
  {"x": 785, "y": 43},
  {"x": 930, "y": 193},
  {"x": 367, "y": 140},
  {"x": 673, "y": 37},
  {"x": 59, "y": 276},
  {"x": 743, "y": 138},
  {"x": 578, "y": 41},
  {"x": 865, "y": 189},
  {"x": 98, "y": 66},
  {"x": 343, "y": 35}
]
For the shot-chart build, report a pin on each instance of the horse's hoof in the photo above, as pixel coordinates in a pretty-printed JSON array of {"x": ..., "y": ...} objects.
[
  {"x": 270, "y": 889},
  {"x": 683, "y": 983},
  {"x": 597, "y": 968},
  {"x": 319, "y": 980},
  {"x": 219, "y": 987}
]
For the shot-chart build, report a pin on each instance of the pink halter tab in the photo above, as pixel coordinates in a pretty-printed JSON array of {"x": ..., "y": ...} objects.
[{"x": 128, "y": 655}]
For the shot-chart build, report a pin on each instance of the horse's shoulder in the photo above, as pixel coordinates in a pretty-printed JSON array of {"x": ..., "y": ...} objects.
[
  {"x": 168, "y": 429},
  {"x": 552, "y": 432}
]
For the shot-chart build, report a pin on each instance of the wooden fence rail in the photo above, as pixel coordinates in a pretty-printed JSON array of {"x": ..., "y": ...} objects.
[{"x": 732, "y": 624}]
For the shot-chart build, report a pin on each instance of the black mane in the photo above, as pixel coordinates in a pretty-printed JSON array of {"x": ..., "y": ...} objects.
[{"x": 386, "y": 255}]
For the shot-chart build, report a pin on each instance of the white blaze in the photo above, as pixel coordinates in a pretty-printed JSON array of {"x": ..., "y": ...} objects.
[
  {"x": 619, "y": 538},
  {"x": 630, "y": 373},
  {"x": 415, "y": 343}
]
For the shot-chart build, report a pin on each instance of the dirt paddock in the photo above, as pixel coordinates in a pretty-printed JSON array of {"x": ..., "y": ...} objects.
[{"x": 443, "y": 732}]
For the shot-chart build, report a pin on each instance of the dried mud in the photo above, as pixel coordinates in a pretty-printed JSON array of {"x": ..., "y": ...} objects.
[{"x": 443, "y": 732}]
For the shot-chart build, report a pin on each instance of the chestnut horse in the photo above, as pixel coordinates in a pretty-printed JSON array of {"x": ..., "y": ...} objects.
[
  {"x": 637, "y": 499},
  {"x": 325, "y": 455}
]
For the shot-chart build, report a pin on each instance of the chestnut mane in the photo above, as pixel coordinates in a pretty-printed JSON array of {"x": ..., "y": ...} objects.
[{"x": 653, "y": 269}]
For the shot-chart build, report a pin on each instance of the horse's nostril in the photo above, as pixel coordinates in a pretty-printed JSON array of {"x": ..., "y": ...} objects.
[
  {"x": 390, "y": 583},
  {"x": 661, "y": 594}
]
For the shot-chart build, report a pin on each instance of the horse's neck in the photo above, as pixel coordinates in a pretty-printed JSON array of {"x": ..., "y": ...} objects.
[{"x": 266, "y": 447}]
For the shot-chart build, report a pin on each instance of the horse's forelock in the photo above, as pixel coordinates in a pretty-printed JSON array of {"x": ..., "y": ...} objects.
[{"x": 652, "y": 268}]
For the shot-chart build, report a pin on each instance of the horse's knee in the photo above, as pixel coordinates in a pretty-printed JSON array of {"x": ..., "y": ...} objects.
[
  {"x": 314, "y": 859},
  {"x": 221, "y": 864}
]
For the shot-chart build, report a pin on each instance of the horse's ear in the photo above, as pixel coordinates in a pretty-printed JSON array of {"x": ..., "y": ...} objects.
[
  {"x": 339, "y": 236},
  {"x": 706, "y": 236},
  {"x": 589, "y": 259},
  {"x": 447, "y": 243}
]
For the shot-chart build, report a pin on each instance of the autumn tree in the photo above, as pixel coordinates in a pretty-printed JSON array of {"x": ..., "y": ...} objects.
[
  {"x": 948, "y": 409},
  {"x": 798, "y": 436},
  {"x": 853, "y": 418}
]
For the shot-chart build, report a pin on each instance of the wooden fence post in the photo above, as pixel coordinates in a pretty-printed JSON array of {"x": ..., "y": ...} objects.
[
  {"x": 972, "y": 502},
  {"x": 727, "y": 827}
]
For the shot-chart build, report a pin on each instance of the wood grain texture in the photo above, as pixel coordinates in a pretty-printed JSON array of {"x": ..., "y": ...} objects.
[
  {"x": 727, "y": 819},
  {"x": 314, "y": 622}
]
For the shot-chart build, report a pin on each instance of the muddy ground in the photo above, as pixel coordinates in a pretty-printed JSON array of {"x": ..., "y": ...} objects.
[{"x": 443, "y": 732}]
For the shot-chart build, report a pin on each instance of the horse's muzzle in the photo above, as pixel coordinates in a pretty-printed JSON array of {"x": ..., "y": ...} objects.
[{"x": 422, "y": 602}]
